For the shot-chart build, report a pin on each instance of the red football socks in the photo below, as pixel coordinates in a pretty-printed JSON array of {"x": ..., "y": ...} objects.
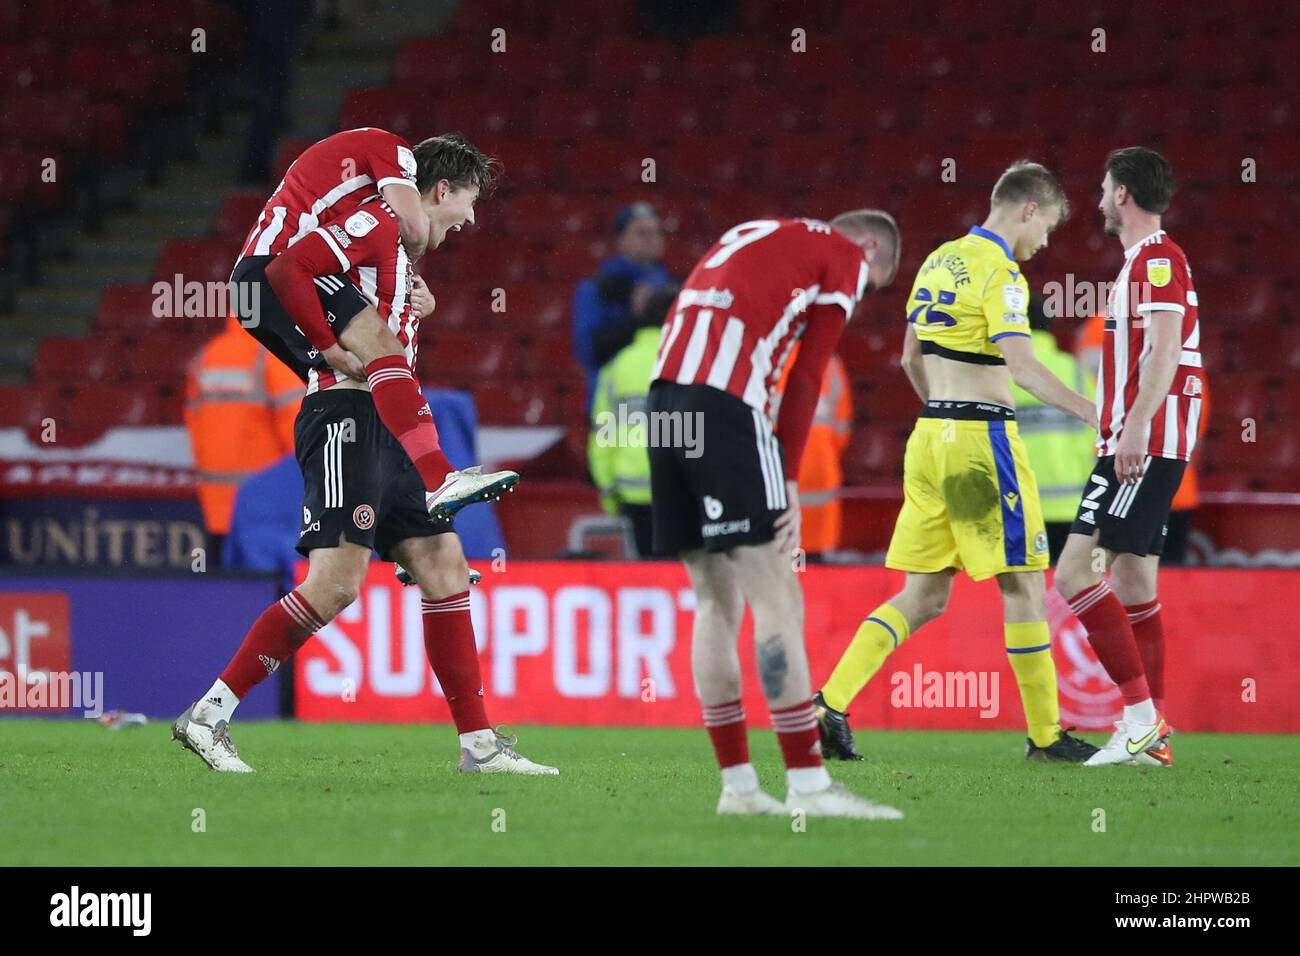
[
  {"x": 449, "y": 641},
  {"x": 796, "y": 731},
  {"x": 1106, "y": 622},
  {"x": 726, "y": 726},
  {"x": 406, "y": 414},
  {"x": 275, "y": 635},
  {"x": 1149, "y": 632}
]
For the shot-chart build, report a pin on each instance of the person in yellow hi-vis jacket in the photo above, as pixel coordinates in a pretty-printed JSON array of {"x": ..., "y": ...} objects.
[
  {"x": 616, "y": 446},
  {"x": 1062, "y": 449}
]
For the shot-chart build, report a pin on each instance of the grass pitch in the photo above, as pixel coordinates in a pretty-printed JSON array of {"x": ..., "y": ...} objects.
[{"x": 73, "y": 793}]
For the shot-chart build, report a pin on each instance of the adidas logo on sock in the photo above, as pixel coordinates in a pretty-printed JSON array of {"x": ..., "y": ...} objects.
[
  {"x": 214, "y": 700},
  {"x": 270, "y": 663}
]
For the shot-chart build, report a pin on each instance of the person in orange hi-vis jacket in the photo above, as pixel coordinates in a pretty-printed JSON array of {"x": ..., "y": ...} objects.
[
  {"x": 820, "y": 475},
  {"x": 1087, "y": 349},
  {"x": 239, "y": 411}
]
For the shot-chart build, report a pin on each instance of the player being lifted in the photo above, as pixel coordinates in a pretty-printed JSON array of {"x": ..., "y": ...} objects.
[
  {"x": 362, "y": 489},
  {"x": 330, "y": 179},
  {"x": 969, "y": 497},
  {"x": 1149, "y": 407},
  {"x": 729, "y": 504}
]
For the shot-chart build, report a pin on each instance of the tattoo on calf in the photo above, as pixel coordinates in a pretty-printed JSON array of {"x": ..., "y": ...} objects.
[{"x": 772, "y": 666}]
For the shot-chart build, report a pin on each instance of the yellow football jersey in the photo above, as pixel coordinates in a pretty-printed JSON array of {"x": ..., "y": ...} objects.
[{"x": 968, "y": 294}]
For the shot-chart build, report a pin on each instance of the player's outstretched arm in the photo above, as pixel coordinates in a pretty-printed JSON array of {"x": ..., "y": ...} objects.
[
  {"x": 914, "y": 364},
  {"x": 1037, "y": 379}
]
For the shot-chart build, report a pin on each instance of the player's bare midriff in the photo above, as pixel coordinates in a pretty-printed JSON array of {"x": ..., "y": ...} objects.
[
  {"x": 347, "y": 383},
  {"x": 949, "y": 380}
]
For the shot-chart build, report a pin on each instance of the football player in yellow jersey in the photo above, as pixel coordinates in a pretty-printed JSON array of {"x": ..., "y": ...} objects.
[{"x": 969, "y": 497}]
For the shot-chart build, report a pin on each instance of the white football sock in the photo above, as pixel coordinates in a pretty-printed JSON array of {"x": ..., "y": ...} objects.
[
  {"x": 807, "y": 779},
  {"x": 479, "y": 742},
  {"x": 1141, "y": 713},
  {"x": 741, "y": 778},
  {"x": 218, "y": 703}
]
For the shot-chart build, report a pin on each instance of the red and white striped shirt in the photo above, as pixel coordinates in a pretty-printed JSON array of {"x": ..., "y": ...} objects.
[
  {"x": 764, "y": 286},
  {"x": 330, "y": 179},
  {"x": 1155, "y": 278},
  {"x": 366, "y": 246}
]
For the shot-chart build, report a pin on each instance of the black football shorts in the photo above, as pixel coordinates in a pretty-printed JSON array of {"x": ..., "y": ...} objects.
[
  {"x": 358, "y": 481},
  {"x": 1132, "y": 519},
  {"x": 717, "y": 477}
]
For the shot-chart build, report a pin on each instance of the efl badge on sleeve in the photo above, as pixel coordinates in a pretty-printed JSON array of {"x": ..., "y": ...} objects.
[{"x": 1158, "y": 272}]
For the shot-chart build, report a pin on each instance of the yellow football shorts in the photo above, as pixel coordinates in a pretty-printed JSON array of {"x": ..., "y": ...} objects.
[{"x": 969, "y": 501}]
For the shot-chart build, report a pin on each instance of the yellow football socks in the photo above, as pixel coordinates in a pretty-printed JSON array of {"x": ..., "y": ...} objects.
[
  {"x": 1029, "y": 649},
  {"x": 884, "y": 629}
]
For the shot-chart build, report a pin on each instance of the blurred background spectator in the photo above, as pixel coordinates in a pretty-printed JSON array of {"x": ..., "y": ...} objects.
[
  {"x": 621, "y": 467},
  {"x": 240, "y": 405},
  {"x": 604, "y": 303}
]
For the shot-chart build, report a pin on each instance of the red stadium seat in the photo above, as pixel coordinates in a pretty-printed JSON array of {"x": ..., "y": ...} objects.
[
  {"x": 603, "y": 164},
  {"x": 437, "y": 63},
  {"x": 108, "y": 406},
  {"x": 464, "y": 358},
  {"x": 533, "y": 306},
  {"x": 714, "y": 63},
  {"x": 164, "y": 357},
  {"x": 198, "y": 260},
  {"x": 239, "y": 212},
  {"x": 22, "y": 406},
  {"x": 711, "y": 161},
  {"x": 525, "y": 167},
  {"x": 570, "y": 114},
  {"x": 874, "y": 453},
  {"x": 68, "y": 361},
  {"x": 127, "y": 310},
  {"x": 624, "y": 64},
  {"x": 526, "y": 402},
  {"x": 665, "y": 110},
  {"x": 389, "y": 108},
  {"x": 473, "y": 111},
  {"x": 818, "y": 163}
]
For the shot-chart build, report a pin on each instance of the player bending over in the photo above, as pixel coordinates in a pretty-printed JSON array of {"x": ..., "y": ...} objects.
[
  {"x": 363, "y": 493},
  {"x": 969, "y": 497},
  {"x": 729, "y": 505},
  {"x": 431, "y": 189},
  {"x": 1149, "y": 407}
]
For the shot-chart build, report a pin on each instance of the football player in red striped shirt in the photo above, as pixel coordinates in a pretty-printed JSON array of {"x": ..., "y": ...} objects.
[
  {"x": 362, "y": 491},
  {"x": 1148, "y": 408},
  {"x": 431, "y": 189},
  {"x": 723, "y": 480}
]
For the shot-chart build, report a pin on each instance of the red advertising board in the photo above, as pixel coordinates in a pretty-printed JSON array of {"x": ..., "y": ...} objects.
[
  {"x": 34, "y": 645},
  {"x": 604, "y": 643}
]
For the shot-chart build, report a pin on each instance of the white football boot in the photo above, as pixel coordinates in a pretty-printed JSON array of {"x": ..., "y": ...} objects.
[
  {"x": 838, "y": 801},
  {"x": 1128, "y": 742},
  {"x": 210, "y": 741},
  {"x": 466, "y": 487},
  {"x": 497, "y": 755},
  {"x": 754, "y": 803}
]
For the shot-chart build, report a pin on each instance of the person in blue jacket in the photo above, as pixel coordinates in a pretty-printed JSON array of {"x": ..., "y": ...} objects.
[{"x": 605, "y": 304}]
